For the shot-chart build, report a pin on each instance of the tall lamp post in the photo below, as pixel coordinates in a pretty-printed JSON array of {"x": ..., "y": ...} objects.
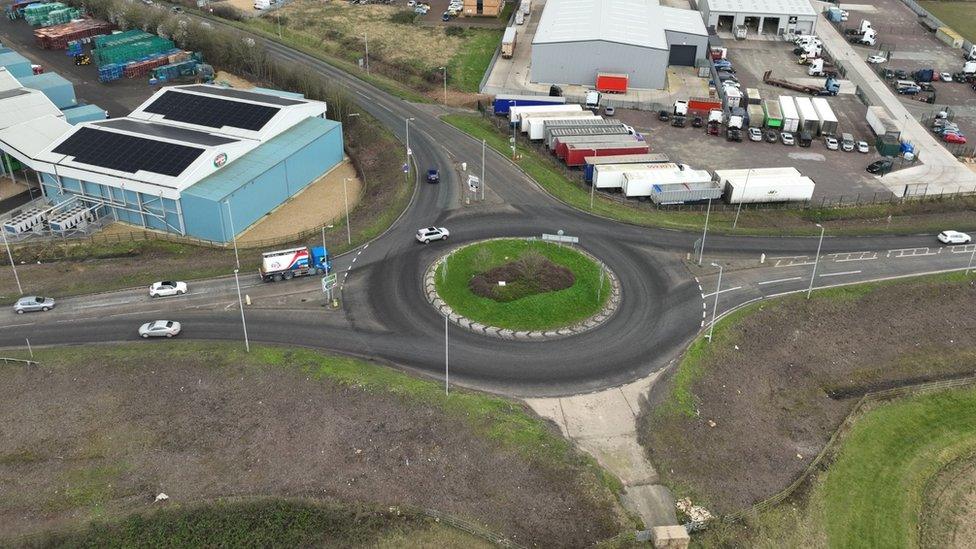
[
  {"x": 816, "y": 260},
  {"x": 741, "y": 199},
  {"x": 345, "y": 197},
  {"x": 247, "y": 345},
  {"x": 718, "y": 290},
  {"x": 447, "y": 371},
  {"x": 366, "y": 41},
  {"x": 13, "y": 265},
  {"x": 701, "y": 251},
  {"x": 484, "y": 144},
  {"x": 971, "y": 257},
  {"x": 445, "y": 83},
  {"x": 233, "y": 234}
]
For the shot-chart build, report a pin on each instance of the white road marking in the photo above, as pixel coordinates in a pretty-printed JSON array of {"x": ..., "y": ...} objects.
[
  {"x": 841, "y": 257},
  {"x": 841, "y": 274},
  {"x": 365, "y": 246},
  {"x": 17, "y": 325},
  {"x": 793, "y": 261},
  {"x": 723, "y": 291},
  {"x": 354, "y": 259},
  {"x": 780, "y": 280},
  {"x": 912, "y": 252},
  {"x": 968, "y": 249}
]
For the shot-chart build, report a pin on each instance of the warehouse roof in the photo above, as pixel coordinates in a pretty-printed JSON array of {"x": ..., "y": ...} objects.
[
  {"x": 781, "y": 7},
  {"x": 7, "y": 80},
  {"x": 21, "y": 104},
  {"x": 635, "y": 22},
  {"x": 33, "y": 136}
]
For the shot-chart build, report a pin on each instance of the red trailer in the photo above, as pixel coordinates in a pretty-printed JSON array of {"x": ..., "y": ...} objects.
[
  {"x": 612, "y": 83},
  {"x": 563, "y": 142},
  {"x": 703, "y": 105},
  {"x": 577, "y": 154}
]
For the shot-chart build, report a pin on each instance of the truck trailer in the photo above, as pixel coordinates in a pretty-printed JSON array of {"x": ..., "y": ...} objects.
[
  {"x": 671, "y": 177},
  {"x": 612, "y": 82},
  {"x": 791, "y": 118},
  {"x": 516, "y": 111},
  {"x": 809, "y": 121},
  {"x": 611, "y": 176},
  {"x": 828, "y": 121},
  {"x": 701, "y": 106},
  {"x": 882, "y": 124},
  {"x": 757, "y": 117},
  {"x": 562, "y": 143},
  {"x": 774, "y": 115},
  {"x": 287, "y": 264},
  {"x": 553, "y": 133},
  {"x": 761, "y": 185},
  {"x": 576, "y": 153},
  {"x": 508, "y": 42},
  {"x": 591, "y": 162},
  {"x": 537, "y": 125},
  {"x": 527, "y": 119},
  {"x": 502, "y": 103}
]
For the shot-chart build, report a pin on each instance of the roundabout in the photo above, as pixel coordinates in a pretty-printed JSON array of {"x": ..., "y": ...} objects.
[{"x": 522, "y": 289}]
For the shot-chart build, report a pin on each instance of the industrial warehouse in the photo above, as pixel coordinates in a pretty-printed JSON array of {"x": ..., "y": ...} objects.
[
  {"x": 578, "y": 39},
  {"x": 197, "y": 160},
  {"x": 751, "y": 17}
]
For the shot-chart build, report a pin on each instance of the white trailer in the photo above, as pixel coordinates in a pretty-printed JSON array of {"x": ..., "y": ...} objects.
[
  {"x": 537, "y": 124},
  {"x": 530, "y": 118},
  {"x": 765, "y": 185},
  {"x": 515, "y": 112},
  {"x": 828, "y": 121},
  {"x": 611, "y": 176},
  {"x": 643, "y": 183},
  {"x": 809, "y": 121},
  {"x": 880, "y": 121},
  {"x": 791, "y": 118}
]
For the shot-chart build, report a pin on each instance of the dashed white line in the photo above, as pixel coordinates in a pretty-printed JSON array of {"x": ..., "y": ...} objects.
[
  {"x": 723, "y": 291},
  {"x": 355, "y": 258},
  {"x": 841, "y": 274},
  {"x": 780, "y": 280}
]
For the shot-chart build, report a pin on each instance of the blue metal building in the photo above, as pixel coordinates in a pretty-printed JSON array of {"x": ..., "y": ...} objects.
[
  {"x": 54, "y": 86},
  {"x": 18, "y": 65}
]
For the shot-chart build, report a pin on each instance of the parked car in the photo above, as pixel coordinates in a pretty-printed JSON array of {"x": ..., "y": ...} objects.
[
  {"x": 946, "y": 77},
  {"x": 901, "y": 74},
  {"x": 926, "y": 86},
  {"x": 755, "y": 134},
  {"x": 445, "y": 16},
  {"x": 167, "y": 288},
  {"x": 955, "y": 138},
  {"x": 831, "y": 143},
  {"x": 177, "y": 9},
  {"x": 160, "y": 328},
  {"x": 877, "y": 59},
  {"x": 609, "y": 110},
  {"x": 33, "y": 303},
  {"x": 663, "y": 115},
  {"x": 771, "y": 136},
  {"x": 880, "y": 166},
  {"x": 909, "y": 90},
  {"x": 847, "y": 142},
  {"x": 862, "y": 147},
  {"x": 697, "y": 121},
  {"x": 433, "y": 176},
  {"x": 722, "y": 64},
  {"x": 954, "y": 237},
  {"x": 432, "y": 233},
  {"x": 787, "y": 138}
]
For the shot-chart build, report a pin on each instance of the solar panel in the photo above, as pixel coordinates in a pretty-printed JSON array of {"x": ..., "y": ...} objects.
[
  {"x": 248, "y": 95},
  {"x": 168, "y": 132},
  {"x": 211, "y": 111},
  {"x": 127, "y": 153}
]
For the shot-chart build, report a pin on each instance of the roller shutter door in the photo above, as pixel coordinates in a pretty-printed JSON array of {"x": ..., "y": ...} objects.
[{"x": 682, "y": 55}]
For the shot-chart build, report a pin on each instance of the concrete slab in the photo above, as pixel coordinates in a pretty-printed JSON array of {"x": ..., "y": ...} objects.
[
  {"x": 654, "y": 503},
  {"x": 623, "y": 454}
]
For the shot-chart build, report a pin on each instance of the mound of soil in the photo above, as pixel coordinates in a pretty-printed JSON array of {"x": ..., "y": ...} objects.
[{"x": 531, "y": 274}]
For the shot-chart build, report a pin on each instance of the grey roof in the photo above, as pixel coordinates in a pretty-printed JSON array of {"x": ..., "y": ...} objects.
[
  {"x": 244, "y": 94},
  {"x": 167, "y": 132},
  {"x": 635, "y": 22},
  {"x": 781, "y": 7}
]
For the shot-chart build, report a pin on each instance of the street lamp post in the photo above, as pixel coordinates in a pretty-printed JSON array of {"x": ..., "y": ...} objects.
[
  {"x": 701, "y": 251},
  {"x": 445, "y": 83},
  {"x": 366, "y": 40},
  {"x": 971, "y": 257},
  {"x": 10, "y": 256},
  {"x": 408, "y": 137},
  {"x": 816, "y": 260},
  {"x": 447, "y": 371},
  {"x": 233, "y": 233},
  {"x": 741, "y": 199},
  {"x": 484, "y": 145},
  {"x": 345, "y": 197},
  {"x": 718, "y": 290},
  {"x": 247, "y": 345}
]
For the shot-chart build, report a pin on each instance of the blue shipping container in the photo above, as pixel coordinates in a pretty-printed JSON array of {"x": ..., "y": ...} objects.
[
  {"x": 503, "y": 103},
  {"x": 54, "y": 86}
]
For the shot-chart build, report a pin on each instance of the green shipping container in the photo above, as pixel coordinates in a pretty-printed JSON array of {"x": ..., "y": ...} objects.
[
  {"x": 774, "y": 116},
  {"x": 888, "y": 146}
]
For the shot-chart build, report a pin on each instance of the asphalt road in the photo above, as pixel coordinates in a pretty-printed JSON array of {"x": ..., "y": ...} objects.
[{"x": 386, "y": 316}]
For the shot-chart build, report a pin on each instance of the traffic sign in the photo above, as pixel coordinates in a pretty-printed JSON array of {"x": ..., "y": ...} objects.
[
  {"x": 329, "y": 282},
  {"x": 474, "y": 183},
  {"x": 406, "y": 168}
]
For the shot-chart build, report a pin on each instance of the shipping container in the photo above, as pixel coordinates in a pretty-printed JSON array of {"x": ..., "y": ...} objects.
[
  {"x": 753, "y": 97},
  {"x": 703, "y": 105},
  {"x": 612, "y": 83},
  {"x": 525, "y": 118},
  {"x": 733, "y": 98},
  {"x": 502, "y": 103},
  {"x": 828, "y": 121},
  {"x": 611, "y": 176},
  {"x": 681, "y": 193},
  {"x": 949, "y": 37},
  {"x": 591, "y": 162},
  {"x": 576, "y": 154},
  {"x": 791, "y": 118},
  {"x": 761, "y": 185},
  {"x": 537, "y": 124},
  {"x": 677, "y": 180},
  {"x": 774, "y": 116},
  {"x": 508, "y": 42},
  {"x": 562, "y": 144},
  {"x": 757, "y": 117},
  {"x": 809, "y": 121},
  {"x": 54, "y": 86},
  {"x": 552, "y": 134},
  {"x": 515, "y": 111}
]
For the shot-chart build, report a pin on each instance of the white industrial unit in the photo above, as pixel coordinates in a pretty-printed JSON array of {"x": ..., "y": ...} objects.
[
  {"x": 765, "y": 185},
  {"x": 769, "y": 17}
]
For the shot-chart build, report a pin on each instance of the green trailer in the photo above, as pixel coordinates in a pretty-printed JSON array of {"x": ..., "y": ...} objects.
[{"x": 774, "y": 115}]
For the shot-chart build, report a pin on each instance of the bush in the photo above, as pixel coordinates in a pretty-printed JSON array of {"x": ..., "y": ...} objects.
[
  {"x": 403, "y": 17},
  {"x": 454, "y": 31},
  {"x": 227, "y": 12}
]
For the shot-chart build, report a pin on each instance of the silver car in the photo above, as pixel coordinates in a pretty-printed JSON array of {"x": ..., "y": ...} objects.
[
  {"x": 432, "y": 233},
  {"x": 160, "y": 328},
  {"x": 33, "y": 303}
]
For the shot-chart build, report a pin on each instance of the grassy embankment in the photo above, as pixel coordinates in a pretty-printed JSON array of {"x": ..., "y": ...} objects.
[
  {"x": 534, "y": 312},
  {"x": 961, "y": 16},
  {"x": 906, "y": 218}
]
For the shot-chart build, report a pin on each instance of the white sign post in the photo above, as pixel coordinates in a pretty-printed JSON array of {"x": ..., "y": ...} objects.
[{"x": 328, "y": 283}]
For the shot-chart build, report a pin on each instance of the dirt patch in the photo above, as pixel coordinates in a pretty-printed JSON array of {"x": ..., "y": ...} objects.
[
  {"x": 234, "y": 81},
  {"x": 531, "y": 274},
  {"x": 949, "y": 508},
  {"x": 101, "y": 431},
  {"x": 762, "y": 408}
]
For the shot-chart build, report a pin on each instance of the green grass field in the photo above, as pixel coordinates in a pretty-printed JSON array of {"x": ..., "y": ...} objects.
[
  {"x": 535, "y": 312},
  {"x": 961, "y": 16},
  {"x": 469, "y": 64}
]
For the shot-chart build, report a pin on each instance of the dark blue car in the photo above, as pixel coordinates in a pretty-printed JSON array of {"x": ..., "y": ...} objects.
[{"x": 433, "y": 176}]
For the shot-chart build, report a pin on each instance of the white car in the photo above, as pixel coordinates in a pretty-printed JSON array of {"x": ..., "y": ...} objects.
[
  {"x": 755, "y": 134},
  {"x": 946, "y": 77},
  {"x": 167, "y": 288},
  {"x": 432, "y": 233},
  {"x": 877, "y": 59},
  {"x": 862, "y": 147},
  {"x": 787, "y": 138},
  {"x": 831, "y": 142},
  {"x": 160, "y": 328},
  {"x": 954, "y": 237}
]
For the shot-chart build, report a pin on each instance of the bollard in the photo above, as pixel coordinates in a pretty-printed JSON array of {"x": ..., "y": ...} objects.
[
  {"x": 762, "y": 259},
  {"x": 247, "y": 299},
  {"x": 335, "y": 303}
]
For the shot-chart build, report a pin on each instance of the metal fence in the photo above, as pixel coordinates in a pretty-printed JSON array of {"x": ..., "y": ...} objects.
[{"x": 7, "y": 360}]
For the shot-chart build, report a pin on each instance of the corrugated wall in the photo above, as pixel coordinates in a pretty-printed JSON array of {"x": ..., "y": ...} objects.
[{"x": 579, "y": 63}]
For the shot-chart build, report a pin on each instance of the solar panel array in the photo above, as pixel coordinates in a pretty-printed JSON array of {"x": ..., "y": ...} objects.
[
  {"x": 248, "y": 95},
  {"x": 211, "y": 111},
  {"x": 167, "y": 132},
  {"x": 127, "y": 153}
]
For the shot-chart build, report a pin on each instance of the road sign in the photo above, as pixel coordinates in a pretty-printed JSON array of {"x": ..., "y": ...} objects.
[
  {"x": 406, "y": 168},
  {"x": 409, "y": 151},
  {"x": 474, "y": 183},
  {"x": 329, "y": 282},
  {"x": 560, "y": 238}
]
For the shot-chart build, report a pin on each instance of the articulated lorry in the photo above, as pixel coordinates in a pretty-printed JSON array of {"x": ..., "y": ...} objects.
[{"x": 287, "y": 264}]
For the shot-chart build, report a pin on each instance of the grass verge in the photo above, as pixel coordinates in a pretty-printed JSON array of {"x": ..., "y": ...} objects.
[
  {"x": 535, "y": 312},
  {"x": 961, "y": 16},
  {"x": 906, "y": 218},
  {"x": 469, "y": 64}
]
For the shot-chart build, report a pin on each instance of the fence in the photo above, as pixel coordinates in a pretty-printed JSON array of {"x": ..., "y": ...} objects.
[
  {"x": 18, "y": 361},
  {"x": 830, "y": 449}
]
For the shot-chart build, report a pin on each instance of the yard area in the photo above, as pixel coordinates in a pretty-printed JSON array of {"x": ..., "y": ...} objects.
[
  {"x": 740, "y": 418},
  {"x": 961, "y": 16},
  {"x": 95, "y": 433}
]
